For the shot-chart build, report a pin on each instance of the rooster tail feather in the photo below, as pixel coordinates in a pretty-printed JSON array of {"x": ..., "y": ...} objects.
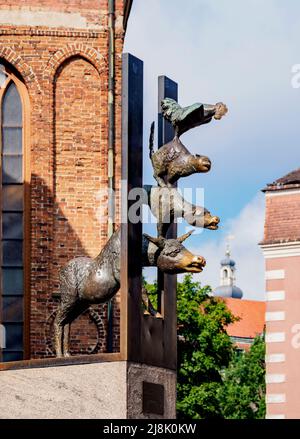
[{"x": 171, "y": 110}]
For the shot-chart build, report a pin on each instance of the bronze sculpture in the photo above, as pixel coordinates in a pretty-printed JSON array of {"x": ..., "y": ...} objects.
[
  {"x": 170, "y": 256},
  {"x": 173, "y": 161},
  {"x": 83, "y": 282},
  {"x": 167, "y": 205},
  {"x": 86, "y": 281},
  {"x": 186, "y": 118}
]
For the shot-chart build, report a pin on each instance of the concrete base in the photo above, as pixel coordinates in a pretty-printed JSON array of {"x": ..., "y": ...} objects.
[
  {"x": 145, "y": 401},
  {"x": 108, "y": 390}
]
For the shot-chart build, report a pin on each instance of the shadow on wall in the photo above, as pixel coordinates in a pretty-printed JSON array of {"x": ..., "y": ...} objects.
[
  {"x": 60, "y": 223},
  {"x": 54, "y": 243},
  {"x": 39, "y": 296}
]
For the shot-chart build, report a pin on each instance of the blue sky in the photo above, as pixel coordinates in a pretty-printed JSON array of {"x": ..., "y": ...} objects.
[{"x": 241, "y": 53}]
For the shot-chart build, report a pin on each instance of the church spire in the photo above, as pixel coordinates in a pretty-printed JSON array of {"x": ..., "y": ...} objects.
[
  {"x": 227, "y": 269},
  {"x": 227, "y": 253},
  {"x": 227, "y": 286}
]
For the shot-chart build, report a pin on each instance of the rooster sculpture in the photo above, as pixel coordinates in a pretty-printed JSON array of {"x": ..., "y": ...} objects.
[{"x": 186, "y": 118}]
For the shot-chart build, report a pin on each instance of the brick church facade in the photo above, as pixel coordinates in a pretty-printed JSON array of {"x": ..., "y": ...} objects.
[
  {"x": 281, "y": 248},
  {"x": 54, "y": 104}
]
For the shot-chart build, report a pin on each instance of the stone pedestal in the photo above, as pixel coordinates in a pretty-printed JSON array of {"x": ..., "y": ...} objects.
[
  {"x": 151, "y": 392},
  {"x": 108, "y": 390}
]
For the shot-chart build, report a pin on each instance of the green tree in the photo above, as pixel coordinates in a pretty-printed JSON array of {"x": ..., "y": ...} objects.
[
  {"x": 204, "y": 349},
  {"x": 214, "y": 379},
  {"x": 152, "y": 292},
  {"x": 242, "y": 395}
]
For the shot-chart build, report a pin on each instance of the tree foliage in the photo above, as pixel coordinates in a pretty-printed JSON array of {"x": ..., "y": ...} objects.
[
  {"x": 242, "y": 395},
  {"x": 204, "y": 349},
  {"x": 214, "y": 379}
]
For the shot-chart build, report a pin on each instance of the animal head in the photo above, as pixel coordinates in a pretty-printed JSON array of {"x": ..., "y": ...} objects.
[
  {"x": 200, "y": 217},
  {"x": 211, "y": 222},
  {"x": 174, "y": 258},
  {"x": 201, "y": 163},
  {"x": 221, "y": 110}
]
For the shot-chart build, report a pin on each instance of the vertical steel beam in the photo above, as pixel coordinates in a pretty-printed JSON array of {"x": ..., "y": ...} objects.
[
  {"x": 166, "y": 89},
  {"x": 131, "y": 234},
  {"x": 167, "y": 284},
  {"x": 111, "y": 151}
]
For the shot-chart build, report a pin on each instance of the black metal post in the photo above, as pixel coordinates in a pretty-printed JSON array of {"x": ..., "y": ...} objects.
[
  {"x": 166, "y": 89},
  {"x": 131, "y": 234}
]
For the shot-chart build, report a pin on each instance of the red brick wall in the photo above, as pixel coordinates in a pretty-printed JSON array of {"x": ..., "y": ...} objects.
[
  {"x": 80, "y": 165},
  {"x": 66, "y": 76},
  {"x": 282, "y": 217},
  {"x": 94, "y": 11},
  {"x": 63, "y": 5}
]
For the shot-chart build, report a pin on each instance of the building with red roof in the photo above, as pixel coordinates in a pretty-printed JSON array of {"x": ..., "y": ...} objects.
[
  {"x": 251, "y": 321},
  {"x": 251, "y": 313}
]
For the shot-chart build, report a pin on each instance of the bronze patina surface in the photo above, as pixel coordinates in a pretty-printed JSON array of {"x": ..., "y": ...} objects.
[
  {"x": 167, "y": 205},
  {"x": 173, "y": 161},
  {"x": 186, "y": 118},
  {"x": 87, "y": 281}
]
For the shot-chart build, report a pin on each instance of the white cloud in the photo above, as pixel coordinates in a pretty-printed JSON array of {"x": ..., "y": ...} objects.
[
  {"x": 247, "y": 229},
  {"x": 240, "y": 52}
]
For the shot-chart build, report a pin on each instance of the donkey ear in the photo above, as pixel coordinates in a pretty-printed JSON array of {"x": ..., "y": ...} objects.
[
  {"x": 157, "y": 241},
  {"x": 185, "y": 236}
]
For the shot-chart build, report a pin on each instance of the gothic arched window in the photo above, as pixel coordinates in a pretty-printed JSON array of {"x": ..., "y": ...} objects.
[{"x": 12, "y": 214}]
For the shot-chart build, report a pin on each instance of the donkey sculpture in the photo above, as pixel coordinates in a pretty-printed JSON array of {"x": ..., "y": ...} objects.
[{"x": 85, "y": 281}]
